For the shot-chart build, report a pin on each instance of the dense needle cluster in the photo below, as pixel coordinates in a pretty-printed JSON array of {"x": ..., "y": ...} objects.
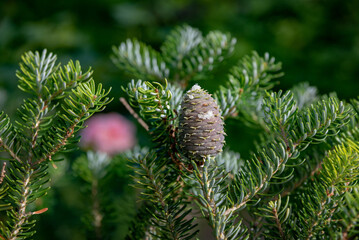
[{"x": 201, "y": 132}]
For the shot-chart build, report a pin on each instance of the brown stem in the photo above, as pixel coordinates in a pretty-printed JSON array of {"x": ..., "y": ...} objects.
[
  {"x": 96, "y": 213},
  {"x": 36, "y": 128},
  {"x": 279, "y": 226},
  {"x": 3, "y": 172},
  {"x": 134, "y": 114},
  {"x": 9, "y": 150},
  {"x": 22, "y": 215},
  {"x": 49, "y": 155}
]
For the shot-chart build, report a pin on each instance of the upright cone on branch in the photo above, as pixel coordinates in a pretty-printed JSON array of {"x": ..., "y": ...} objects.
[{"x": 201, "y": 132}]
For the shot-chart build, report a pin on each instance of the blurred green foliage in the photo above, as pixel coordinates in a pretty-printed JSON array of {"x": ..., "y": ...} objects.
[{"x": 317, "y": 41}]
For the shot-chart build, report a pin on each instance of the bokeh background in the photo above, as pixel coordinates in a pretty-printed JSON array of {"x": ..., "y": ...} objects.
[{"x": 317, "y": 42}]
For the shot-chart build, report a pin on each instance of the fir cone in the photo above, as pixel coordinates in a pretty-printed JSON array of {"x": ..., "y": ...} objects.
[{"x": 200, "y": 125}]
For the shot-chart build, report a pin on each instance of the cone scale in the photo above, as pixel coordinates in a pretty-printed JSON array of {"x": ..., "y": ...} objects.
[{"x": 201, "y": 132}]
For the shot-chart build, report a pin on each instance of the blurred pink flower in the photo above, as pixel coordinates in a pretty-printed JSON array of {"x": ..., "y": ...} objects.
[{"x": 110, "y": 133}]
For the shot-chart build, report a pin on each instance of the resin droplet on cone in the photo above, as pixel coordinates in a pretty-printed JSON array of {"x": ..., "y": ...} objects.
[{"x": 200, "y": 125}]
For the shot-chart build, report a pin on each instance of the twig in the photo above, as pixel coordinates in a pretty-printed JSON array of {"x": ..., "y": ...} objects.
[
  {"x": 9, "y": 150},
  {"x": 3, "y": 171},
  {"x": 97, "y": 215},
  {"x": 134, "y": 114},
  {"x": 63, "y": 142},
  {"x": 22, "y": 216},
  {"x": 301, "y": 181},
  {"x": 278, "y": 223}
]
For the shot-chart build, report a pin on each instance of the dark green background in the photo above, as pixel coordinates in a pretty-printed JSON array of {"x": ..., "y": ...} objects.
[{"x": 317, "y": 42}]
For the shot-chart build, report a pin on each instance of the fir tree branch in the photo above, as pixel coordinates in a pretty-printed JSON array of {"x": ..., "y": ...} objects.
[
  {"x": 22, "y": 215},
  {"x": 292, "y": 122},
  {"x": 287, "y": 153},
  {"x": 208, "y": 201},
  {"x": 25, "y": 188},
  {"x": 86, "y": 100},
  {"x": 207, "y": 54},
  {"x": 312, "y": 126},
  {"x": 211, "y": 183},
  {"x": 257, "y": 190},
  {"x": 348, "y": 217},
  {"x": 318, "y": 214},
  {"x": 169, "y": 216},
  {"x": 179, "y": 44},
  {"x": 354, "y": 219},
  {"x": 35, "y": 72},
  {"x": 278, "y": 223},
  {"x": 65, "y": 79},
  {"x": 3, "y": 193},
  {"x": 319, "y": 198},
  {"x": 42, "y": 107},
  {"x": 248, "y": 81},
  {"x": 155, "y": 107},
  {"x": 57, "y": 147},
  {"x": 140, "y": 60},
  {"x": 164, "y": 211},
  {"x": 303, "y": 179},
  {"x": 275, "y": 214},
  {"x": 41, "y": 77},
  {"x": 7, "y": 137}
]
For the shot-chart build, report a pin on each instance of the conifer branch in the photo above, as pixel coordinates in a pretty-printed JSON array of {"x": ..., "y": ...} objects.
[
  {"x": 22, "y": 215},
  {"x": 141, "y": 226},
  {"x": 204, "y": 57},
  {"x": 348, "y": 216},
  {"x": 208, "y": 201},
  {"x": 7, "y": 137},
  {"x": 279, "y": 225},
  {"x": 9, "y": 150},
  {"x": 179, "y": 44},
  {"x": 169, "y": 216},
  {"x": 164, "y": 211},
  {"x": 352, "y": 223},
  {"x": 211, "y": 183},
  {"x": 275, "y": 215},
  {"x": 321, "y": 196},
  {"x": 42, "y": 77},
  {"x": 140, "y": 60},
  {"x": 253, "y": 74},
  {"x": 303, "y": 179},
  {"x": 62, "y": 81},
  {"x": 60, "y": 145},
  {"x": 284, "y": 118},
  {"x": 292, "y": 121}
]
